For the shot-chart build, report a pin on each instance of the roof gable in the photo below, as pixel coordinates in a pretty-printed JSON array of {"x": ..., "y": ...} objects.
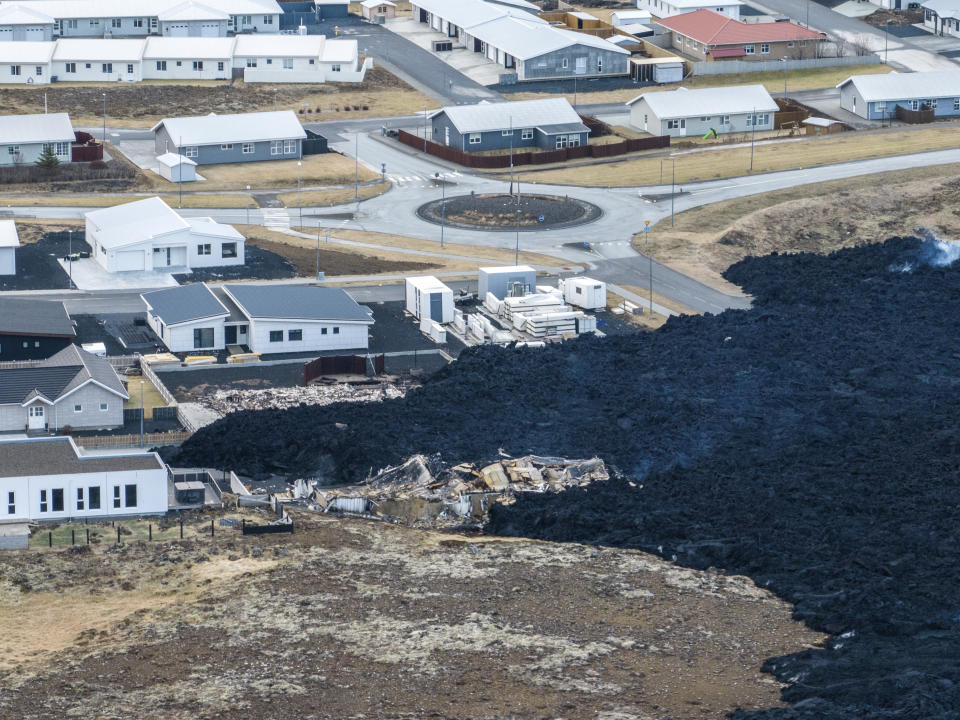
[
  {"x": 524, "y": 113},
  {"x": 51, "y": 127},
  {"x": 712, "y": 28},
  {"x": 45, "y": 318},
  {"x": 244, "y": 127},
  {"x": 184, "y": 304},
  {"x": 903, "y": 86},
  {"x": 134, "y": 222}
]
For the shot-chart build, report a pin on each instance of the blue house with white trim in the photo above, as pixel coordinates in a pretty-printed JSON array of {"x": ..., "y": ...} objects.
[{"x": 876, "y": 97}]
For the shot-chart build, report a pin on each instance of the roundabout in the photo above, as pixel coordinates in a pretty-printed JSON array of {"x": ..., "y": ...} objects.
[{"x": 499, "y": 212}]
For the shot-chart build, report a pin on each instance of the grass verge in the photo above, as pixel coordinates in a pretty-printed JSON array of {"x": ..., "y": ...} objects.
[{"x": 333, "y": 196}]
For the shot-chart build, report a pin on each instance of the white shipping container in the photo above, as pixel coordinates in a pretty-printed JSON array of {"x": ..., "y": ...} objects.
[
  {"x": 585, "y": 292},
  {"x": 427, "y": 297},
  {"x": 502, "y": 280}
]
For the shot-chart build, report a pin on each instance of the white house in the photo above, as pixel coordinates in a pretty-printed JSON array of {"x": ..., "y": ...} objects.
[
  {"x": 149, "y": 235},
  {"x": 77, "y": 60},
  {"x": 666, "y": 8},
  {"x": 9, "y": 242},
  {"x": 51, "y": 479},
  {"x": 679, "y": 113},
  {"x": 24, "y": 23},
  {"x": 177, "y": 168},
  {"x": 298, "y": 58},
  {"x": 190, "y": 318},
  {"x": 71, "y": 388},
  {"x": 23, "y": 137},
  {"x": 26, "y": 63},
  {"x": 175, "y": 58},
  {"x": 941, "y": 16}
]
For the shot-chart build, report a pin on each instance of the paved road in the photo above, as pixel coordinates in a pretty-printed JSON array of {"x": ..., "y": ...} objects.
[{"x": 902, "y": 51}]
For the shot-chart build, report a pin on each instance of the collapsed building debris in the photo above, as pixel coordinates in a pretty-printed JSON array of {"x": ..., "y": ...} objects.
[
  {"x": 424, "y": 491},
  {"x": 280, "y": 398}
]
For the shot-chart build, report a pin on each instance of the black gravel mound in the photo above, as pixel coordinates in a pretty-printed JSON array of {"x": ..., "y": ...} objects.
[
  {"x": 811, "y": 443},
  {"x": 258, "y": 264},
  {"x": 499, "y": 212}
]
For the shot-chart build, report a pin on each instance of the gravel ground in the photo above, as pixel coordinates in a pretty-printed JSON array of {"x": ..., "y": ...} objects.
[
  {"x": 259, "y": 264},
  {"x": 37, "y": 267},
  {"x": 495, "y": 212}
]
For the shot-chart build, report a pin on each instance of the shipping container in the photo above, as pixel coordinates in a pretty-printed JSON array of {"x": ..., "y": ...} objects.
[
  {"x": 428, "y": 298},
  {"x": 507, "y": 281}
]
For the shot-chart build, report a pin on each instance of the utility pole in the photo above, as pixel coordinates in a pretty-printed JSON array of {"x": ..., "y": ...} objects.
[
  {"x": 784, "y": 61},
  {"x": 180, "y": 175},
  {"x": 104, "y": 117},
  {"x": 574, "y": 92},
  {"x": 511, "y": 154},
  {"x": 70, "y": 255},
  {"x": 886, "y": 40},
  {"x": 299, "y": 204},
  {"x": 443, "y": 204},
  {"x": 753, "y": 134},
  {"x": 673, "y": 184},
  {"x": 248, "y": 205},
  {"x": 318, "y": 252},
  {"x": 356, "y": 181},
  {"x": 424, "y": 129},
  {"x": 516, "y": 254},
  {"x": 141, "y": 413},
  {"x": 646, "y": 239}
]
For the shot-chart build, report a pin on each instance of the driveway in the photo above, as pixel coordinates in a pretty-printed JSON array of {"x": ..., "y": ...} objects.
[
  {"x": 89, "y": 275},
  {"x": 473, "y": 65}
]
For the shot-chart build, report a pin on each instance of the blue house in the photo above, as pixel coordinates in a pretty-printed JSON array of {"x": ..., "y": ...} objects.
[
  {"x": 247, "y": 137},
  {"x": 876, "y": 97},
  {"x": 549, "y": 124}
]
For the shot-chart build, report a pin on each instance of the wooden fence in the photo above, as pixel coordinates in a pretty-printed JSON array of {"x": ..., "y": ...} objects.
[
  {"x": 915, "y": 117},
  {"x": 494, "y": 162},
  {"x": 342, "y": 365},
  {"x": 133, "y": 440},
  {"x": 118, "y": 362},
  {"x": 150, "y": 375}
]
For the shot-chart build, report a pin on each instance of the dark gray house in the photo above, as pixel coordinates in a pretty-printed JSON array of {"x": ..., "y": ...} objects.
[
  {"x": 248, "y": 137},
  {"x": 550, "y": 124},
  {"x": 33, "y": 329}
]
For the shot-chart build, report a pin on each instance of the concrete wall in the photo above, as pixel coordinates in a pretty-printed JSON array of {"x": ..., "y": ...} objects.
[
  {"x": 771, "y": 64},
  {"x": 20, "y": 33},
  {"x": 29, "y": 74},
  {"x": 794, "y": 49},
  {"x": 551, "y": 65},
  {"x": 30, "y": 153},
  {"x": 169, "y": 69},
  {"x": 317, "y": 336},
  {"x": 216, "y": 154},
  {"x": 37, "y": 348},
  {"x": 8, "y": 266},
  {"x": 152, "y": 494},
  {"x": 126, "y": 71}
]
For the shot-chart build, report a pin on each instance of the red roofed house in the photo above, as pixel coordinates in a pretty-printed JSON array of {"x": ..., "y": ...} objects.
[{"x": 709, "y": 35}]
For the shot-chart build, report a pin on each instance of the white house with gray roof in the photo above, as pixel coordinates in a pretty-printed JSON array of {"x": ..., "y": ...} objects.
[
  {"x": 549, "y": 124},
  {"x": 9, "y": 242},
  {"x": 876, "y": 97},
  {"x": 23, "y": 137},
  {"x": 520, "y": 41},
  {"x": 190, "y": 318},
  {"x": 247, "y": 137},
  {"x": 51, "y": 479},
  {"x": 679, "y": 113},
  {"x": 148, "y": 235},
  {"x": 70, "y": 389},
  {"x": 942, "y": 16},
  {"x": 21, "y": 24}
]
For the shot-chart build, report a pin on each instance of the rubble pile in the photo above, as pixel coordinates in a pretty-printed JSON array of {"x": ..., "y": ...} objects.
[
  {"x": 424, "y": 491},
  {"x": 811, "y": 442},
  {"x": 281, "y": 398}
]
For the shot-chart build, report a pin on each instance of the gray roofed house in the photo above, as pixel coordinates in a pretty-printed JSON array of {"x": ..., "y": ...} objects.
[
  {"x": 548, "y": 124},
  {"x": 876, "y": 97},
  {"x": 72, "y": 388},
  {"x": 23, "y": 137},
  {"x": 188, "y": 318},
  {"x": 60, "y": 456},
  {"x": 246, "y": 137},
  {"x": 33, "y": 329},
  {"x": 683, "y": 112}
]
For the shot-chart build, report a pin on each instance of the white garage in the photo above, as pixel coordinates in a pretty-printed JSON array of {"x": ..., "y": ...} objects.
[
  {"x": 177, "y": 30},
  {"x": 35, "y": 34},
  {"x": 210, "y": 30},
  {"x": 129, "y": 260},
  {"x": 6, "y": 34}
]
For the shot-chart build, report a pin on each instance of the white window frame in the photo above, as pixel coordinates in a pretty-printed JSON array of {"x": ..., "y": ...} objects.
[
  {"x": 70, "y": 67},
  {"x": 251, "y": 62},
  {"x": 204, "y": 249},
  {"x": 677, "y": 124},
  {"x": 290, "y": 333},
  {"x": 224, "y": 147},
  {"x": 104, "y": 406},
  {"x": 129, "y": 68},
  {"x": 39, "y": 70},
  {"x": 506, "y": 133},
  {"x": 191, "y": 151},
  {"x": 276, "y": 147},
  {"x": 749, "y": 49},
  {"x": 77, "y": 408},
  {"x": 724, "y": 119},
  {"x": 116, "y": 22},
  {"x": 14, "y": 150},
  {"x": 289, "y": 147},
  {"x": 138, "y": 22},
  {"x": 335, "y": 67},
  {"x": 288, "y": 63},
  {"x": 475, "y": 138},
  {"x": 15, "y": 70},
  {"x": 268, "y": 19},
  {"x": 248, "y": 149},
  {"x": 220, "y": 66},
  {"x": 161, "y": 65},
  {"x": 956, "y": 103},
  {"x": 107, "y": 68},
  {"x": 764, "y": 48},
  {"x": 564, "y": 63},
  {"x": 526, "y": 134},
  {"x": 198, "y": 65}
]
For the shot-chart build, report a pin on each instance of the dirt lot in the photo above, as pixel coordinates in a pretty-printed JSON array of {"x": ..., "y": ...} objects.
[
  {"x": 146, "y": 103},
  {"x": 42, "y": 244},
  {"x": 350, "y": 618},
  {"x": 811, "y": 218}
]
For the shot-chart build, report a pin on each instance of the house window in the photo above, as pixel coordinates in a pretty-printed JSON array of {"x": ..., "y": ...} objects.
[
  {"x": 323, "y": 331},
  {"x": 198, "y": 64},
  {"x": 94, "y": 23},
  {"x": 88, "y": 66},
  {"x": 78, "y": 408},
  {"x": 251, "y": 62},
  {"x": 202, "y": 338},
  {"x": 335, "y": 67},
  {"x": 956, "y": 103},
  {"x": 295, "y": 335},
  {"x": 269, "y": 61},
  {"x": 38, "y": 70},
  {"x": 475, "y": 138},
  {"x": 228, "y": 250},
  {"x": 130, "y": 495},
  {"x": 336, "y": 330},
  {"x": 43, "y": 501},
  {"x": 179, "y": 63},
  {"x": 268, "y": 19},
  {"x": 506, "y": 133},
  {"x": 599, "y": 65},
  {"x": 526, "y": 134},
  {"x": 93, "y": 498},
  {"x": 11, "y": 503},
  {"x": 14, "y": 69},
  {"x": 56, "y": 497},
  {"x": 107, "y": 68},
  {"x": 153, "y": 23},
  {"x": 881, "y": 107},
  {"x": 162, "y": 65},
  {"x": 190, "y": 151},
  {"x": 696, "y": 45},
  {"x": 203, "y": 249},
  {"x": 760, "y": 119},
  {"x": 706, "y": 118},
  {"x": 914, "y": 104},
  {"x": 790, "y": 44},
  {"x": 245, "y": 20},
  {"x": 72, "y": 24},
  {"x": 220, "y": 66},
  {"x": 724, "y": 119},
  {"x": 116, "y": 496},
  {"x": 678, "y": 124},
  {"x": 288, "y": 63},
  {"x": 247, "y": 148},
  {"x": 104, "y": 407},
  {"x": 116, "y": 22},
  {"x": 276, "y": 147},
  {"x": 749, "y": 49},
  {"x": 764, "y": 48},
  {"x": 289, "y": 147},
  {"x": 14, "y": 150},
  {"x": 70, "y": 68},
  {"x": 226, "y": 146},
  {"x": 312, "y": 61},
  {"x": 80, "y": 498},
  {"x": 130, "y": 68},
  {"x": 276, "y": 336},
  {"x": 565, "y": 63},
  {"x": 138, "y": 23}
]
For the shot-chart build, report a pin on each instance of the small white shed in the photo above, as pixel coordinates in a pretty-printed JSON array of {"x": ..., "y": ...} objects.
[
  {"x": 378, "y": 10},
  {"x": 9, "y": 242},
  {"x": 585, "y": 292},
  {"x": 504, "y": 281},
  {"x": 177, "y": 168},
  {"x": 429, "y": 299}
]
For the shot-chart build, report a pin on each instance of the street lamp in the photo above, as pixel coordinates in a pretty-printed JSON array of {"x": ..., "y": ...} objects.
[
  {"x": 673, "y": 183},
  {"x": 511, "y": 154},
  {"x": 886, "y": 40},
  {"x": 443, "y": 204},
  {"x": 299, "y": 204},
  {"x": 753, "y": 135},
  {"x": 784, "y": 61},
  {"x": 248, "y": 206},
  {"x": 516, "y": 254},
  {"x": 356, "y": 159},
  {"x": 70, "y": 255},
  {"x": 141, "y": 413},
  {"x": 104, "y": 117},
  {"x": 424, "y": 129}
]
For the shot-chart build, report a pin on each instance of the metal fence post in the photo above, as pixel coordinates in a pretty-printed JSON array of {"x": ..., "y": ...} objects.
[
  {"x": 211, "y": 528},
  {"x": 49, "y": 539},
  {"x": 181, "y": 528},
  {"x": 73, "y": 536},
  {"x": 149, "y": 531},
  {"x": 118, "y": 534},
  {"x": 88, "y": 536}
]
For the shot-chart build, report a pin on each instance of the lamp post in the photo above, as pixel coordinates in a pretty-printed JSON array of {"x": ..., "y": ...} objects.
[
  {"x": 318, "y": 251},
  {"x": 248, "y": 206},
  {"x": 516, "y": 253},
  {"x": 784, "y": 61},
  {"x": 443, "y": 204},
  {"x": 511, "y": 154},
  {"x": 886, "y": 40},
  {"x": 673, "y": 184},
  {"x": 356, "y": 159},
  {"x": 104, "y": 117},
  {"x": 753, "y": 134},
  {"x": 574, "y": 92},
  {"x": 299, "y": 204},
  {"x": 70, "y": 255},
  {"x": 646, "y": 237},
  {"x": 141, "y": 413},
  {"x": 424, "y": 129}
]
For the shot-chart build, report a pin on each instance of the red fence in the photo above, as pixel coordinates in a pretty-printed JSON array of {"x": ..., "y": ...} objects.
[
  {"x": 494, "y": 162},
  {"x": 85, "y": 148}
]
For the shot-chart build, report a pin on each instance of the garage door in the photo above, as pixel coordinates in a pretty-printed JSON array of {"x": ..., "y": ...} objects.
[
  {"x": 129, "y": 260},
  {"x": 35, "y": 34},
  {"x": 178, "y": 30},
  {"x": 210, "y": 30},
  {"x": 6, "y": 34}
]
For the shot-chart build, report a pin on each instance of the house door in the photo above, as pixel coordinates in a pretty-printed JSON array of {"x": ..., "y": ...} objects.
[
  {"x": 436, "y": 307},
  {"x": 581, "y": 68},
  {"x": 35, "y": 417},
  {"x": 230, "y": 335}
]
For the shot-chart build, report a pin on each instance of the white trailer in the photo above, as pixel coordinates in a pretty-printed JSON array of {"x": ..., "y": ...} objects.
[
  {"x": 429, "y": 299},
  {"x": 585, "y": 293},
  {"x": 505, "y": 281}
]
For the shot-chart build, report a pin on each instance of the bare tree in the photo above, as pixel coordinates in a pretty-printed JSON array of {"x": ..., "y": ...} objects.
[
  {"x": 840, "y": 44},
  {"x": 862, "y": 45}
]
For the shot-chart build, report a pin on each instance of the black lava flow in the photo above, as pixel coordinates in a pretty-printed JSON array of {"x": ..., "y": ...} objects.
[{"x": 811, "y": 443}]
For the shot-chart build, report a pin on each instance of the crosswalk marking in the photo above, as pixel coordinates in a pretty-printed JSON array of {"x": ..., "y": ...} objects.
[
  {"x": 422, "y": 180},
  {"x": 276, "y": 219}
]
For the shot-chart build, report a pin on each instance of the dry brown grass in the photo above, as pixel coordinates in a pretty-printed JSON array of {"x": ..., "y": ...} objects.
[
  {"x": 31, "y": 230},
  {"x": 334, "y": 196},
  {"x": 189, "y": 200}
]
